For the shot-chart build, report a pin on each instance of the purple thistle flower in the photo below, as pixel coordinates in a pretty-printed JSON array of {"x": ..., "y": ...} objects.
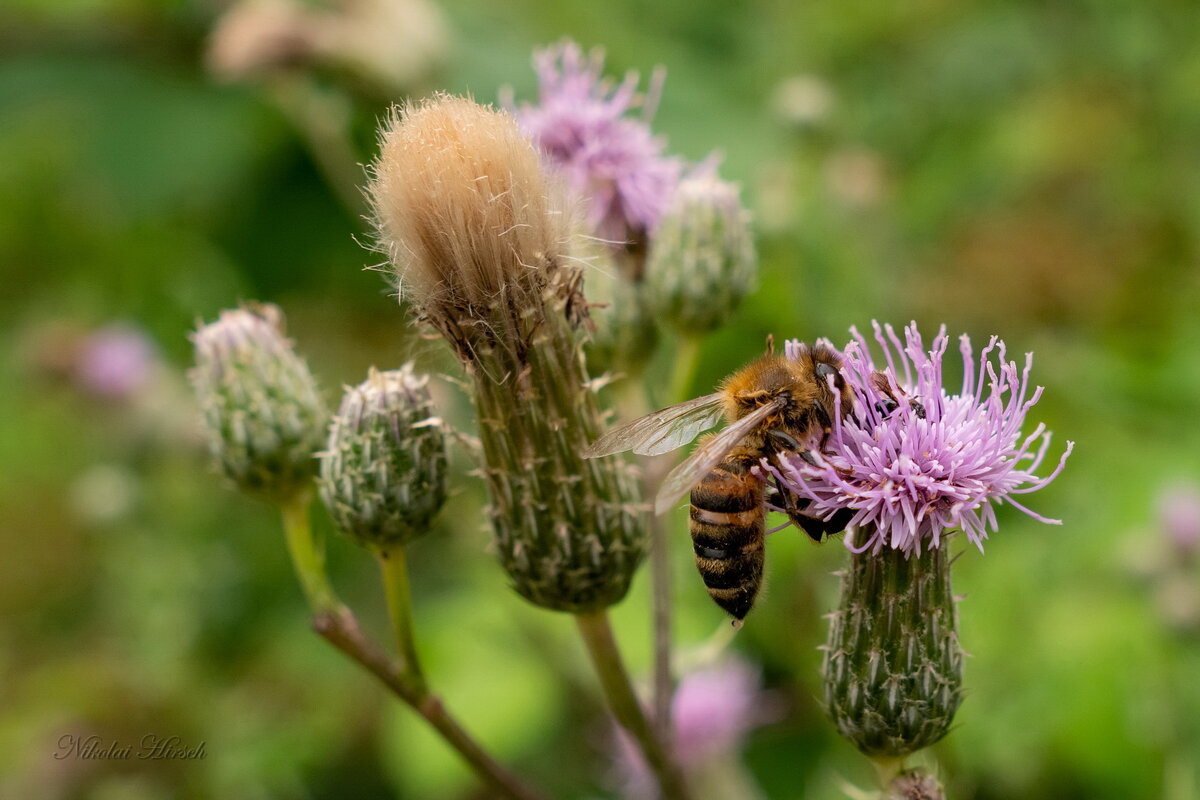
[
  {"x": 910, "y": 476},
  {"x": 116, "y": 362},
  {"x": 1179, "y": 516},
  {"x": 713, "y": 710},
  {"x": 614, "y": 161}
]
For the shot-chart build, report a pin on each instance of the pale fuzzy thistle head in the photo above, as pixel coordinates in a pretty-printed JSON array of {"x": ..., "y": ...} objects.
[
  {"x": 264, "y": 418},
  {"x": 255, "y": 38},
  {"x": 392, "y": 43},
  {"x": 383, "y": 473},
  {"x": 467, "y": 219},
  {"x": 913, "y": 472},
  {"x": 610, "y": 159},
  {"x": 702, "y": 260},
  {"x": 389, "y": 43}
]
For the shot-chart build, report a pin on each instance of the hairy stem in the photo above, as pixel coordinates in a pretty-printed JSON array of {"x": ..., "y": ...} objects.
[
  {"x": 597, "y": 635},
  {"x": 393, "y": 564}
]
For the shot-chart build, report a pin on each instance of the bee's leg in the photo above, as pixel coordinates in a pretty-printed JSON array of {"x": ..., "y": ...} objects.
[
  {"x": 815, "y": 528},
  {"x": 886, "y": 406},
  {"x": 786, "y": 439},
  {"x": 794, "y": 508},
  {"x": 838, "y": 522},
  {"x": 791, "y": 445}
]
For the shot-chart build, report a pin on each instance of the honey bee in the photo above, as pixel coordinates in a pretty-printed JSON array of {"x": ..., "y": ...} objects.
[{"x": 774, "y": 404}]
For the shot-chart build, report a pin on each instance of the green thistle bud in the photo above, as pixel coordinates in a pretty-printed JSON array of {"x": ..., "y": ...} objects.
[
  {"x": 626, "y": 332},
  {"x": 264, "y": 418},
  {"x": 893, "y": 667},
  {"x": 702, "y": 260},
  {"x": 383, "y": 473},
  {"x": 470, "y": 225}
]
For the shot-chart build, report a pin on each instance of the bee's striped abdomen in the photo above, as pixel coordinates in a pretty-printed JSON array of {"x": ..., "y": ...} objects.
[{"x": 728, "y": 530}]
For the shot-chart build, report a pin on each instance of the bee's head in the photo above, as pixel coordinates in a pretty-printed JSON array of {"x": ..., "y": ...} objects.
[{"x": 830, "y": 384}]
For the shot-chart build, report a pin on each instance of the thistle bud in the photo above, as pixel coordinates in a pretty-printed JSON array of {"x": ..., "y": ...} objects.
[
  {"x": 383, "y": 474},
  {"x": 702, "y": 260},
  {"x": 893, "y": 667},
  {"x": 264, "y": 417},
  {"x": 626, "y": 332},
  {"x": 479, "y": 250}
]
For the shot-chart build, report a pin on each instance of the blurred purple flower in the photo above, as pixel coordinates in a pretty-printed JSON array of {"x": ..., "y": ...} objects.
[
  {"x": 712, "y": 711},
  {"x": 911, "y": 476},
  {"x": 612, "y": 160},
  {"x": 116, "y": 362},
  {"x": 1179, "y": 516}
]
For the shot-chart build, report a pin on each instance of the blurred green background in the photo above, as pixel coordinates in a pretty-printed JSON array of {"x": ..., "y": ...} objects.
[{"x": 1025, "y": 169}]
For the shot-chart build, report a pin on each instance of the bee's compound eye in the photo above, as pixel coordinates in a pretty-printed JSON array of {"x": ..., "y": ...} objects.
[
  {"x": 714, "y": 553},
  {"x": 824, "y": 371}
]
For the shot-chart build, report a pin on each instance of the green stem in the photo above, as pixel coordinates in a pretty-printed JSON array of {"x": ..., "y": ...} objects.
[
  {"x": 394, "y": 566},
  {"x": 686, "y": 358},
  {"x": 597, "y": 635},
  {"x": 322, "y": 118},
  {"x": 340, "y": 628},
  {"x": 308, "y": 554},
  {"x": 887, "y": 768},
  {"x": 660, "y": 579},
  {"x": 337, "y": 624}
]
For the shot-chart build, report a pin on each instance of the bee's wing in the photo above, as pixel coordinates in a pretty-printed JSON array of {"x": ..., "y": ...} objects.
[
  {"x": 686, "y": 475},
  {"x": 660, "y": 431}
]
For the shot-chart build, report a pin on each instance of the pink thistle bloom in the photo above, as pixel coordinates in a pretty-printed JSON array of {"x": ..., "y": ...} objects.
[
  {"x": 116, "y": 362},
  {"x": 925, "y": 462},
  {"x": 612, "y": 160},
  {"x": 712, "y": 712},
  {"x": 1179, "y": 515}
]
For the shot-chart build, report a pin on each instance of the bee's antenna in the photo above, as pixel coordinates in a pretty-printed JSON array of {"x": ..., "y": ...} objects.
[{"x": 770, "y": 344}]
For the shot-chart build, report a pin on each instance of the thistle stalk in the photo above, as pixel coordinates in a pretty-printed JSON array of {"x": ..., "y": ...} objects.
[
  {"x": 686, "y": 357},
  {"x": 597, "y": 635},
  {"x": 265, "y": 421},
  {"x": 340, "y": 628},
  {"x": 307, "y": 553},
  {"x": 393, "y": 565},
  {"x": 469, "y": 223},
  {"x": 337, "y": 624}
]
